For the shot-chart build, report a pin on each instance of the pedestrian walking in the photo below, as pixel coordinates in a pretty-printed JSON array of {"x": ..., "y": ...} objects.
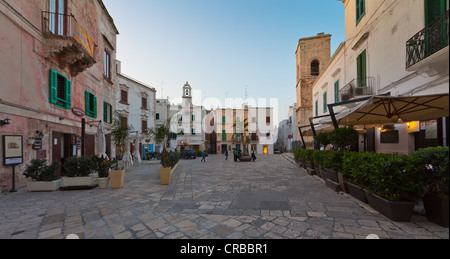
[
  {"x": 235, "y": 154},
  {"x": 226, "y": 155},
  {"x": 253, "y": 156},
  {"x": 204, "y": 157}
]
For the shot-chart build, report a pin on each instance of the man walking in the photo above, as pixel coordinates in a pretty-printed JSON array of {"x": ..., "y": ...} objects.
[
  {"x": 226, "y": 155},
  {"x": 204, "y": 157}
]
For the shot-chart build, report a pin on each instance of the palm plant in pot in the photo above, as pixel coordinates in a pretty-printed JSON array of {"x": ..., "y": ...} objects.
[
  {"x": 119, "y": 133},
  {"x": 42, "y": 176},
  {"x": 161, "y": 137}
]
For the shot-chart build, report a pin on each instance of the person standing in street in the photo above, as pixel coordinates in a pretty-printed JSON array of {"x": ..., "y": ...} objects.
[
  {"x": 204, "y": 157},
  {"x": 226, "y": 155}
]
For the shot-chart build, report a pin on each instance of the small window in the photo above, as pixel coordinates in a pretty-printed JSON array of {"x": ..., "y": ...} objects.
[
  {"x": 91, "y": 105},
  {"x": 224, "y": 135},
  {"x": 315, "y": 68},
  {"x": 107, "y": 65},
  {"x": 325, "y": 102},
  {"x": 157, "y": 116},
  {"x": 123, "y": 96},
  {"x": 360, "y": 10},
  {"x": 224, "y": 119},
  {"x": 144, "y": 103},
  {"x": 268, "y": 120},
  {"x": 193, "y": 131},
  {"x": 144, "y": 126},
  {"x": 107, "y": 112},
  {"x": 123, "y": 122},
  {"x": 60, "y": 90},
  {"x": 317, "y": 108}
]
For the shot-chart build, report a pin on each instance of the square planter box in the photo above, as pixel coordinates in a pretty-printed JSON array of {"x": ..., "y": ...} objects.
[
  {"x": 436, "y": 209},
  {"x": 164, "y": 174},
  {"x": 333, "y": 185},
  {"x": 44, "y": 186},
  {"x": 117, "y": 179},
  {"x": 342, "y": 181},
  {"x": 332, "y": 175},
  {"x": 400, "y": 211},
  {"x": 357, "y": 192},
  {"x": 311, "y": 171},
  {"x": 69, "y": 182}
]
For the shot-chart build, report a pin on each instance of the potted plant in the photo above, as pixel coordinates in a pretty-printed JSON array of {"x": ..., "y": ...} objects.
[
  {"x": 78, "y": 173},
  {"x": 42, "y": 176},
  {"x": 357, "y": 167},
  {"x": 161, "y": 137},
  {"x": 432, "y": 169},
  {"x": 102, "y": 165},
  {"x": 119, "y": 134},
  {"x": 391, "y": 186}
]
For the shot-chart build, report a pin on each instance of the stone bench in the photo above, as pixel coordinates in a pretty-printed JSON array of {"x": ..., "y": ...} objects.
[{"x": 245, "y": 159}]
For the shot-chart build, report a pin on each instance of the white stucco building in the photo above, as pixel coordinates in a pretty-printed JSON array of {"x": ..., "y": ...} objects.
[
  {"x": 396, "y": 47},
  {"x": 136, "y": 106}
]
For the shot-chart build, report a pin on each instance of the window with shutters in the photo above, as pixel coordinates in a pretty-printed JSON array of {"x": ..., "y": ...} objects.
[
  {"x": 144, "y": 103},
  {"x": 325, "y": 102},
  {"x": 60, "y": 90},
  {"x": 336, "y": 91},
  {"x": 107, "y": 65},
  {"x": 361, "y": 69},
  {"x": 107, "y": 112},
  {"x": 317, "y": 109},
  {"x": 360, "y": 10},
  {"x": 123, "y": 96},
  {"x": 144, "y": 126},
  {"x": 91, "y": 105},
  {"x": 224, "y": 135}
]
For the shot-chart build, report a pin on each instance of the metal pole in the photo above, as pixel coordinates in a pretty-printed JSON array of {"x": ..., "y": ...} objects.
[
  {"x": 13, "y": 189},
  {"x": 83, "y": 137}
]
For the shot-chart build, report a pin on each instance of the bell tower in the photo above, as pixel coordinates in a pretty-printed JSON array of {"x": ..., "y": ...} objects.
[{"x": 187, "y": 91}]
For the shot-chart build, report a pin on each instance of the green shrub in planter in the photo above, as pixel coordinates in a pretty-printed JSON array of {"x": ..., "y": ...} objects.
[
  {"x": 305, "y": 155},
  {"x": 357, "y": 166},
  {"x": 318, "y": 158},
  {"x": 343, "y": 137},
  {"x": 174, "y": 158},
  {"x": 390, "y": 177},
  {"x": 78, "y": 166},
  {"x": 431, "y": 166},
  {"x": 332, "y": 160},
  {"x": 323, "y": 139},
  {"x": 39, "y": 171}
]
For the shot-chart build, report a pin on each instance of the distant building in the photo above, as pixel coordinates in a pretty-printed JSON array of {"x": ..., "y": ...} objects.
[{"x": 136, "y": 107}]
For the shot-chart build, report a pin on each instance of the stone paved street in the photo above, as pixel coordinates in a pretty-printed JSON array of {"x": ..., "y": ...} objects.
[{"x": 271, "y": 199}]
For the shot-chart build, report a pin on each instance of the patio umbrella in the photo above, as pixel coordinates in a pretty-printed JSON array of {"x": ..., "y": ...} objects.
[
  {"x": 137, "y": 154},
  {"x": 389, "y": 109},
  {"x": 101, "y": 144},
  {"x": 127, "y": 158}
]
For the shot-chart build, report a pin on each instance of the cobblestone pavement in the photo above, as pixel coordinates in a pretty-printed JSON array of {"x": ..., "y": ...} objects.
[{"x": 269, "y": 199}]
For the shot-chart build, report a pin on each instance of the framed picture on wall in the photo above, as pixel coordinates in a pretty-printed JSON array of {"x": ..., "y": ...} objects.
[{"x": 12, "y": 149}]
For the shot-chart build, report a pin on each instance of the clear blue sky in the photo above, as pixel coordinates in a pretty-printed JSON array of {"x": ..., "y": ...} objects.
[{"x": 221, "y": 46}]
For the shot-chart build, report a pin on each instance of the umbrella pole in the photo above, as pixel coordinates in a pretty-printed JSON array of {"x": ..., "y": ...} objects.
[{"x": 83, "y": 135}]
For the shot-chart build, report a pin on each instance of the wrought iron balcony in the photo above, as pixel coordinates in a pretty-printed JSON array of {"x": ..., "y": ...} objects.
[
  {"x": 428, "y": 41},
  {"x": 357, "y": 87},
  {"x": 67, "y": 38}
]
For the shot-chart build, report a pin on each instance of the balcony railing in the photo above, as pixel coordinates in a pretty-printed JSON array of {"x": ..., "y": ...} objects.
[
  {"x": 357, "y": 87},
  {"x": 428, "y": 41},
  {"x": 62, "y": 25}
]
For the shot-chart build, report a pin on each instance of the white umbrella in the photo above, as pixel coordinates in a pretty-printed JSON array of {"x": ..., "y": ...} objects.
[
  {"x": 101, "y": 144},
  {"x": 137, "y": 154},
  {"x": 127, "y": 158}
]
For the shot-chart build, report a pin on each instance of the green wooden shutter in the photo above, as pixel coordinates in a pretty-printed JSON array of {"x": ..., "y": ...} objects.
[
  {"x": 336, "y": 91},
  {"x": 53, "y": 86},
  {"x": 110, "y": 114},
  {"x": 95, "y": 107},
  {"x": 325, "y": 102},
  {"x": 68, "y": 94},
  {"x": 317, "y": 108},
  {"x": 360, "y": 10},
  {"x": 87, "y": 103},
  {"x": 105, "y": 112},
  {"x": 362, "y": 70}
]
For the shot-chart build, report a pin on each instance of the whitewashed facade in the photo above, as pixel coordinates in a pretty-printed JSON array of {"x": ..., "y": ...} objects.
[{"x": 377, "y": 56}]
